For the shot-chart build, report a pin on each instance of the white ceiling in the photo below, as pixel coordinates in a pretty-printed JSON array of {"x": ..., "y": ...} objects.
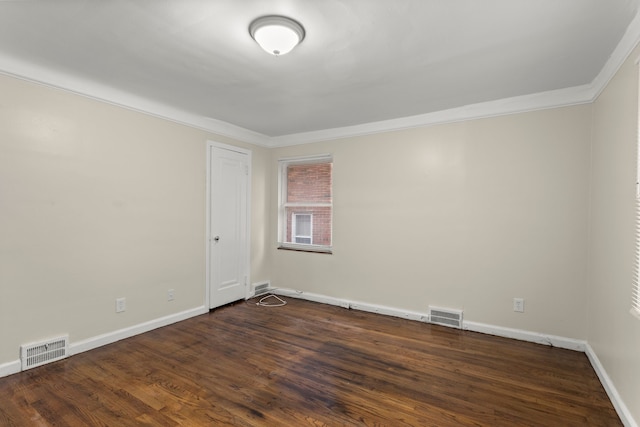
[{"x": 365, "y": 65}]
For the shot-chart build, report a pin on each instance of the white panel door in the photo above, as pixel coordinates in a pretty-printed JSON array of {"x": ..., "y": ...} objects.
[{"x": 228, "y": 240}]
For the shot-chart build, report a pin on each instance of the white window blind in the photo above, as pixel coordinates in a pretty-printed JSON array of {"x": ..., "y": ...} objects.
[
  {"x": 302, "y": 228},
  {"x": 635, "y": 293}
]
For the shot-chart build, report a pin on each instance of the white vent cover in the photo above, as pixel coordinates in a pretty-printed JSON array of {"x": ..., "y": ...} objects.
[
  {"x": 445, "y": 317},
  {"x": 261, "y": 288},
  {"x": 37, "y": 354}
]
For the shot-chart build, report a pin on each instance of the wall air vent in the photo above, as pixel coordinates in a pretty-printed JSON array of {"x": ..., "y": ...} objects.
[
  {"x": 261, "y": 288},
  {"x": 37, "y": 354},
  {"x": 445, "y": 317}
]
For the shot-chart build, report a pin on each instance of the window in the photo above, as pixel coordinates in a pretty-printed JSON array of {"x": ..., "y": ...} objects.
[{"x": 306, "y": 203}]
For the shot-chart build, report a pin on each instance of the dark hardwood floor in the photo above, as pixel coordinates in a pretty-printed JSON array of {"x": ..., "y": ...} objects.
[{"x": 314, "y": 365}]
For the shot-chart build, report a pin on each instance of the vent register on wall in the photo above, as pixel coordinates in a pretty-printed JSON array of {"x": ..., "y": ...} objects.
[
  {"x": 37, "y": 354},
  {"x": 445, "y": 317}
]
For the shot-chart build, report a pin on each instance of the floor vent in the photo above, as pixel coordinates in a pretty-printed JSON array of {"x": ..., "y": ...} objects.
[
  {"x": 261, "y": 288},
  {"x": 445, "y": 317},
  {"x": 38, "y": 354}
]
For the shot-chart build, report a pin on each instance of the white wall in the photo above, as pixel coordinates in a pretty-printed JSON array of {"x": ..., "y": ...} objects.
[
  {"x": 99, "y": 202},
  {"x": 467, "y": 215},
  {"x": 613, "y": 332}
]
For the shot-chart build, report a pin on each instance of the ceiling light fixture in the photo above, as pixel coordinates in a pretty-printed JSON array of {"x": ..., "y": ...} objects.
[{"x": 277, "y": 35}]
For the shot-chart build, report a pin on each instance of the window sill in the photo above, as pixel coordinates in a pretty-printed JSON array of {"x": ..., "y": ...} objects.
[{"x": 305, "y": 248}]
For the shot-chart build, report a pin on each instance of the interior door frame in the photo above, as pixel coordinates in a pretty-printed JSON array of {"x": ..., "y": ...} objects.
[{"x": 208, "y": 237}]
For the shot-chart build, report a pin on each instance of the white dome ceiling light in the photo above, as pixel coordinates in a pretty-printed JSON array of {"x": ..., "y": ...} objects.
[{"x": 277, "y": 35}]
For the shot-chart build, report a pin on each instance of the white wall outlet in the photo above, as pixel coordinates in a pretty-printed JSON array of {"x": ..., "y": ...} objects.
[
  {"x": 518, "y": 305},
  {"x": 121, "y": 305},
  {"x": 171, "y": 294}
]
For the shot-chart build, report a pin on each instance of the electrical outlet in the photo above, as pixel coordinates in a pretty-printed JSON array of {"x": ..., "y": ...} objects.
[
  {"x": 121, "y": 305},
  {"x": 171, "y": 295},
  {"x": 518, "y": 305}
]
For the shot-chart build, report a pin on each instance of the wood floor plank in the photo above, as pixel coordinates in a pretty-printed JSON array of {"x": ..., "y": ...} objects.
[{"x": 307, "y": 364}]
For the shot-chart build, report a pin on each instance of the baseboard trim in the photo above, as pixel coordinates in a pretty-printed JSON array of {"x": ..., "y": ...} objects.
[
  {"x": 15, "y": 366},
  {"x": 355, "y": 305},
  {"x": 111, "y": 337},
  {"x": 390, "y": 311},
  {"x": 612, "y": 392},
  {"x": 309, "y": 296},
  {"x": 518, "y": 334},
  {"x": 522, "y": 335},
  {"x": 10, "y": 368}
]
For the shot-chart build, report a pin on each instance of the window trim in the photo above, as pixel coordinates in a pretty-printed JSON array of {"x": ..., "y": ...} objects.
[{"x": 282, "y": 205}]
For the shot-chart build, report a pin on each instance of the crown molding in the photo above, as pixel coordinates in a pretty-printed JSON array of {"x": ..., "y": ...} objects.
[
  {"x": 627, "y": 44},
  {"x": 544, "y": 100},
  {"x": 38, "y": 74},
  {"x": 520, "y": 104}
]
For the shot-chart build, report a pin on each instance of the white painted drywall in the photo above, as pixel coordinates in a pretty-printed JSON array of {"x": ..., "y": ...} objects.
[
  {"x": 99, "y": 202},
  {"x": 613, "y": 333},
  {"x": 466, "y": 215}
]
